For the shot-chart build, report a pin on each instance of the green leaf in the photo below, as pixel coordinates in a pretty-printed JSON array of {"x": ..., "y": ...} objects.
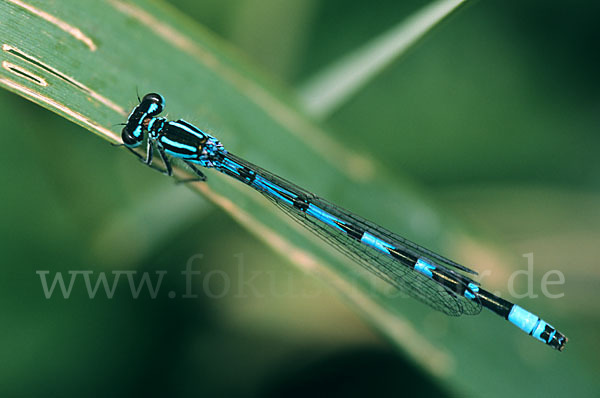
[
  {"x": 86, "y": 64},
  {"x": 330, "y": 88}
]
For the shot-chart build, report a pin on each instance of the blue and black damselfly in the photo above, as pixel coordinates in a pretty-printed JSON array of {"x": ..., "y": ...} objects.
[{"x": 434, "y": 280}]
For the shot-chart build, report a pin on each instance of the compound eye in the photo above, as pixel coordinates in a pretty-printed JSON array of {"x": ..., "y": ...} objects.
[
  {"x": 154, "y": 102},
  {"x": 130, "y": 139}
]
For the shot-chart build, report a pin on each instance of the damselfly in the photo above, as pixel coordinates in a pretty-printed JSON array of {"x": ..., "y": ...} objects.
[{"x": 433, "y": 279}]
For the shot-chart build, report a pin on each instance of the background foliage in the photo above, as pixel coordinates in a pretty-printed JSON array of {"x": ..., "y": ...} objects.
[{"x": 491, "y": 122}]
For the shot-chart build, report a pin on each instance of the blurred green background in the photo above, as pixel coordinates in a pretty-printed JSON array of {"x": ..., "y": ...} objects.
[{"x": 493, "y": 117}]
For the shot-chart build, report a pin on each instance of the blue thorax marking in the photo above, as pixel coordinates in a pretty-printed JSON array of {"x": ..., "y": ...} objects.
[
  {"x": 186, "y": 127},
  {"x": 180, "y": 155},
  {"x": 166, "y": 140}
]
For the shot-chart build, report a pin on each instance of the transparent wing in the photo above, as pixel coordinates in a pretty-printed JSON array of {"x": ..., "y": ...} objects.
[{"x": 398, "y": 275}]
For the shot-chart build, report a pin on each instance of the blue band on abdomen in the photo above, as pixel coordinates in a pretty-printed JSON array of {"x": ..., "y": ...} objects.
[
  {"x": 376, "y": 243},
  {"x": 323, "y": 216},
  {"x": 531, "y": 324},
  {"x": 523, "y": 319},
  {"x": 473, "y": 289},
  {"x": 424, "y": 267}
]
